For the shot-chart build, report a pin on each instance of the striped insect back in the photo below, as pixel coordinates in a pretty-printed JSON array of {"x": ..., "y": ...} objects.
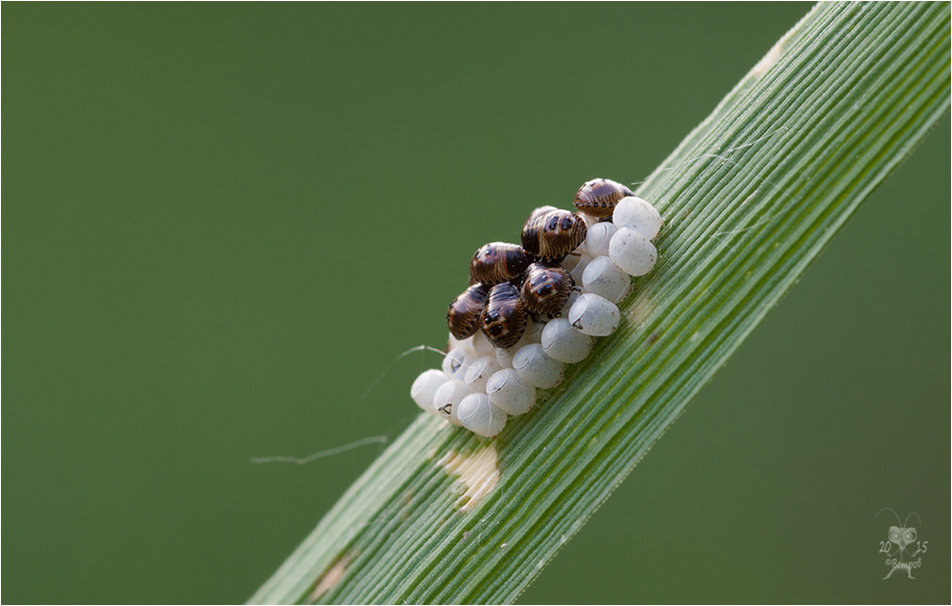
[
  {"x": 462, "y": 317},
  {"x": 497, "y": 262},
  {"x": 546, "y": 288},
  {"x": 553, "y": 235},
  {"x": 598, "y": 197},
  {"x": 538, "y": 212},
  {"x": 504, "y": 317}
]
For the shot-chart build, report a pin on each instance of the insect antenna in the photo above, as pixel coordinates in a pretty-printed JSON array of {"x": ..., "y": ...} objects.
[
  {"x": 898, "y": 519},
  {"x": 384, "y": 372}
]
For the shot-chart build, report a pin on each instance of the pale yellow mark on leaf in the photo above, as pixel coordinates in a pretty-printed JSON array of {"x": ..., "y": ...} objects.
[
  {"x": 750, "y": 197},
  {"x": 639, "y": 311},
  {"x": 331, "y": 577},
  {"x": 768, "y": 60},
  {"x": 478, "y": 474}
]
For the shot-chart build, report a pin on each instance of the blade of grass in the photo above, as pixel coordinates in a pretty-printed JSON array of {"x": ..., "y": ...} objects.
[{"x": 750, "y": 198}]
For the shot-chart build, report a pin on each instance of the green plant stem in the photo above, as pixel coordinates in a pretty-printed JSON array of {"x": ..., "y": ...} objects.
[{"x": 750, "y": 198}]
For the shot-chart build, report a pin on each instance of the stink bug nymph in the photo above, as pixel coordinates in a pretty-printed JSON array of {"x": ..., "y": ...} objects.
[
  {"x": 538, "y": 212},
  {"x": 504, "y": 317},
  {"x": 497, "y": 262},
  {"x": 598, "y": 197},
  {"x": 546, "y": 288},
  {"x": 552, "y": 236},
  {"x": 462, "y": 317}
]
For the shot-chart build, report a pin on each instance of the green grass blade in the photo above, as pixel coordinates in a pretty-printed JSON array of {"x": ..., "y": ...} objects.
[{"x": 750, "y": 198}]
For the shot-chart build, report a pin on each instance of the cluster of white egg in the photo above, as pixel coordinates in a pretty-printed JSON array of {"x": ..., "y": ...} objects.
[{"x": 480, "y": 385}]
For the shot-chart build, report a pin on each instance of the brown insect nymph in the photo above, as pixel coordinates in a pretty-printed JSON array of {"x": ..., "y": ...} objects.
[
  {"x": 463, "y": 314},
  {"x": 552, "y": 236},
  {"x": 598, "y": 197},
  {"x": 538, "y": 212},
  {"x": 546, "y": 289},
  {"x": 497, "y": 262},
  {"x": 504, "y": 317}
]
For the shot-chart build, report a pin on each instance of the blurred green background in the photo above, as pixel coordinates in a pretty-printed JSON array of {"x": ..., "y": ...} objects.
[{"x": 222, "y": 222}]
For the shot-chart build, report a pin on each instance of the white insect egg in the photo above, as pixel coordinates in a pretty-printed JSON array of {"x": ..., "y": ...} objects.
[
  {"x": 465, "y": 344},
  {"x": 598, "y": 237},
  {"x": 480, "y": 371},
  {"x": 589, "y": 220},
  {"x": 456, "y": 362},
  {"x": 583, "y": 262},
  {"x": 573, "y": 297},
  {"x": 636, "y": 213},
  {"x": 594, "y": 315},
  {"x": 572, "y": 259},
  {"x": 532, "y": 334},
  {"x": 510, "y": 393},
  {"x": 632, "y": 251},
  {"x": 563, "y": 343},
  {"x": 504, "y": 355},
  {"x": 479, "y": 416},
  {"x": 536, "y": 368},
  {"x": 424, "y": 388},
  {"x": 447, "y": 398},
  {"x": 481, "y": 345},
  {"x": 602, "y": 277}
]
